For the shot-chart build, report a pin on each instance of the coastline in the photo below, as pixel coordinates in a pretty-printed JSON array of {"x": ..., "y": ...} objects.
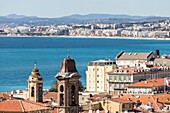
[{"x": 97, "y": 37}]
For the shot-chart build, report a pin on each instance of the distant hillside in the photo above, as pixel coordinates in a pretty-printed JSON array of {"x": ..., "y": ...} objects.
[
  {"x": 14, "y": 16},
  {"x": 102, "y": 16},
  {"x": 78, "y": 19}
]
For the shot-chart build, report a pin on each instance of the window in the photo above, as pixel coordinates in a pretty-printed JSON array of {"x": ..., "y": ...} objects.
[
  {"x": 110, "y": 77},
  {"x": 32, "y": 91},
  {"x": 115, "y": 78},
  {"x": 97, "y": 75},
  {"x": 73, "y": 95},
  {"x": 40, "y": 93},
  {"x": 129, "y": 77},
  {"x": 124, "y": 77},
  {"x": 123, "y": 106},
  {"x": 61, "y": 88},
  {"x": 97, "y": 81},
  {"x": 61, "y": 99},
  {"x": 120, "y": 78}
]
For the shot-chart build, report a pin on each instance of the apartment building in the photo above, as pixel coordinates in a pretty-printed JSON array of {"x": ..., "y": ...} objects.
[
  {"x": 133, "y": 58},
  {"x": 153, "y": 86},
  {"x": 120, "y": 79},
  {"x": 96, "y": 79}
]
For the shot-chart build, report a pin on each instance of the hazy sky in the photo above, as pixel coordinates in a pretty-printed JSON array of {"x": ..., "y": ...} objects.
[{"x": 58, "y": 8}]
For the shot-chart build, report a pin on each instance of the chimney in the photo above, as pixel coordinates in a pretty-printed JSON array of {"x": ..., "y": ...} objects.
[
  {"x": 156, "y": 99},
  {"x": 11, "y": 97},
  {"x": 157, "y": 52}
]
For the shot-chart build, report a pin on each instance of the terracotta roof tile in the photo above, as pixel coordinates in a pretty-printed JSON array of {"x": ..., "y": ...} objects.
[
  {"x": 149, "y": 83},
  {"x": 21, "y": 106},
  {"x": 49, "y": 95},
  {"x": 4, "y": 95},
  {"x": 121, "y": 100}
]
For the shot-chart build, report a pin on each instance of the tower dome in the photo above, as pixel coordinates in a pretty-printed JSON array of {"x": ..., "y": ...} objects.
[{"x": 68, "y": 68}]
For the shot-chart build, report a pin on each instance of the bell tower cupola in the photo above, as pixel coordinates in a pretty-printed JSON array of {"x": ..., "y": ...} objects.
[{"x": 35, "y": 85}]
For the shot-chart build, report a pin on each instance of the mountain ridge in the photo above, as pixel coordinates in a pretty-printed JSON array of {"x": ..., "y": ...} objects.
[{"x": 78, "y": 19}]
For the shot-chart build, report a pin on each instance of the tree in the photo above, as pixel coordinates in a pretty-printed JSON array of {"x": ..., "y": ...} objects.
[
  {"x": 54, "y": 87},
  {"x": 81, "y": 87}
]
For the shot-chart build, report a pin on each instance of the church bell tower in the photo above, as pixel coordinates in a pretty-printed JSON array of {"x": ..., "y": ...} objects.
[
  {"x": 35, "y": 85},
  {"x": 68, "y": 87}
]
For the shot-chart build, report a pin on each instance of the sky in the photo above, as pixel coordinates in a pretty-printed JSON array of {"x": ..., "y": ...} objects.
[{"x": 59, "y": 8}]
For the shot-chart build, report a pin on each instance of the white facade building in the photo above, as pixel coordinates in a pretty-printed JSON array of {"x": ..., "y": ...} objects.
[
  {"x": 96, "y": 78},
  {"x": 133, "y": 59}
]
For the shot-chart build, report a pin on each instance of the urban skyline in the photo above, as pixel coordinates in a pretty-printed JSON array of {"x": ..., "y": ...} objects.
[{"x": 58, "y": 8}]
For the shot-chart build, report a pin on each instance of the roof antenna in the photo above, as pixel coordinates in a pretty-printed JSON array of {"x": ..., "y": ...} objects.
[
  {"x": 35, "y": 64},
  {"x": 68, "y": 53}
]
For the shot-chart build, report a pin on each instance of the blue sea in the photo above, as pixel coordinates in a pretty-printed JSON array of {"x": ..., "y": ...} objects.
[{"x": 17, "y": 56}]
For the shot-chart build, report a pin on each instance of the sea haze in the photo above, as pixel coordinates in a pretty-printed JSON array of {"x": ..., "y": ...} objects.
[{"x": 17, "y": 56}]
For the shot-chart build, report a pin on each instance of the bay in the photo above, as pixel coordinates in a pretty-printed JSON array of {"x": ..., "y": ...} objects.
[{"x": 17, "y": 56}]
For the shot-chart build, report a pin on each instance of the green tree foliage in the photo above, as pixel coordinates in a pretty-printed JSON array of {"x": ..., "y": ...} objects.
[
  {"x": 54, "y": 87},
  {"x": 81, "y": 87}
]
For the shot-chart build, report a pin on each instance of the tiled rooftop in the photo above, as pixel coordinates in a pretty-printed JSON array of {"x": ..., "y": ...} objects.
[
  {"x": 149, "y": 83},
  {"x": 21, "y": 106},
  {"x": 121, "y": 100},
  {"x": 133, "y": 56},
  {"x": 51, "y": 95}
]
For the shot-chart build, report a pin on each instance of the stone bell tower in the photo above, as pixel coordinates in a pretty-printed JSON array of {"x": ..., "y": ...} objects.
[
  {"x": 68, "y": 87},
  {"x": 35, "y": 85}
]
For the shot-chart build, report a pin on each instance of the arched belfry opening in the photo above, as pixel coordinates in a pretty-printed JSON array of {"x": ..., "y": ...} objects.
[
  {"x": 68, "y": 80},
  {"x": 73, "y": 89}
]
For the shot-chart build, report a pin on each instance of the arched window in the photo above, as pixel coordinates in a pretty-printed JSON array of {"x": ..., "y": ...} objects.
[
  {"x": 32, "y": 91},
  {"x": 40, "y": 93},
  {"x": 61, "y": 99},
  {"x": 73, "y": 95},
  {"x": 61, "y": 88}
]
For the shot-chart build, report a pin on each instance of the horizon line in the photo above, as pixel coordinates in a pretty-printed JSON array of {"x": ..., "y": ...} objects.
[{"x": 81, "y": 15}]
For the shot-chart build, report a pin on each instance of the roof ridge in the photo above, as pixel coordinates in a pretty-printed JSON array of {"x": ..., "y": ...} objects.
[
  {"x": 22, "y": 107},
  {"x": 155, "y": 102}
]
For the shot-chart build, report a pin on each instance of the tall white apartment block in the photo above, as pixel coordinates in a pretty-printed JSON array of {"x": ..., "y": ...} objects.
[{"x": 96, "y": 75}]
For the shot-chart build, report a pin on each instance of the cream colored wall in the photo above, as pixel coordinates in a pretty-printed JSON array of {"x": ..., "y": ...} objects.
[
  {"x": 111, "y": 106},
  {"x": 97, "y": 73},
  {"x": 130, "y": 63},
  {"x": 91, "y": 78}
]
